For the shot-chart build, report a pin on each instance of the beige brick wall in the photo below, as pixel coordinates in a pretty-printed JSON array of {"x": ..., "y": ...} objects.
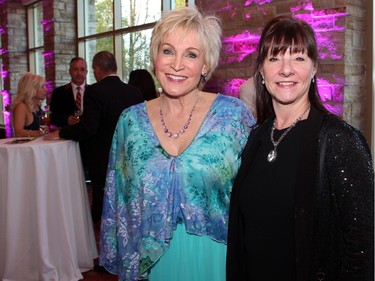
[
  {"x": 342, "y": 80},
  {"x": 342, "y": 66}
]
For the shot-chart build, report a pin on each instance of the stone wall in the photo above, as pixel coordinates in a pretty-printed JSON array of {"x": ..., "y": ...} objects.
[
  {"x": 340, "y": 26},
  {"x": 60, "y": 44},
  {"x": 340, "y": 29},
  {"x": 13, "y": 49}
]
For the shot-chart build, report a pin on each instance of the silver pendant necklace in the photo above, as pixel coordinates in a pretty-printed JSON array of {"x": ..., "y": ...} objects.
[
  {"x": 272, "y": 155},
  {"x": 184, "y": 127}
]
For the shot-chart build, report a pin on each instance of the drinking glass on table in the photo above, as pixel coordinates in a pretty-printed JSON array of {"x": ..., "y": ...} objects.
[{"x": 44, "y": 123}]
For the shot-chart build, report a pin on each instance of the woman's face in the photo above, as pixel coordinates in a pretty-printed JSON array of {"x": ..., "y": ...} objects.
[
  {"x": 42, "y": 92},
  {"x": 288, "y": 76},
  {"x": 179, "y": 63}
]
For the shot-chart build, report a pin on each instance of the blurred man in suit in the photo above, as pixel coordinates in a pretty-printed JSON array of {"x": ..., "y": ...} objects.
[
  {"x": 103, "y": 103},
  {"x": 67, "y": 100}
]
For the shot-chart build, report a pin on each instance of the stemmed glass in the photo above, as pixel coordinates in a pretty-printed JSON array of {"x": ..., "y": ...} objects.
[
  {"x": 77, "y": 113},
  {"x": 44, "y": 123}
]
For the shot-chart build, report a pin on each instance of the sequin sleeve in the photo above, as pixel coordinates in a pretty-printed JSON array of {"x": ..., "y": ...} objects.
[{"x": 349, "y": 171}]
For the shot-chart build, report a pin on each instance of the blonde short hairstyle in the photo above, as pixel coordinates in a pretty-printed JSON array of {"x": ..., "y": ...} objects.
[
  {"x": 28, "y": 86},
  {"x": 206, "y": 27}
]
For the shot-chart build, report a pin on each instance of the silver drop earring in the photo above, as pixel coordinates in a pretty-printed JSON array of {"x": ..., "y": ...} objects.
[
  {"x": 204, "y": 77},
  {"x": 263, "y": 82},
  {"x": 313, "y": 80}
]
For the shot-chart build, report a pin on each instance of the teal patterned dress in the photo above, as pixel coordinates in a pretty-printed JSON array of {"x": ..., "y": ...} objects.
[{"x": 154, "y": 201}]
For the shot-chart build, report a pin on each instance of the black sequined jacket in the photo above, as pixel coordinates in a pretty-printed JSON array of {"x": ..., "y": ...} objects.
[{"x": 334, "y": 210}]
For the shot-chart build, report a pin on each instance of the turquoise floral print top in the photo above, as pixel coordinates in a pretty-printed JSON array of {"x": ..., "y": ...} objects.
[{"x": 148, "y": 192}]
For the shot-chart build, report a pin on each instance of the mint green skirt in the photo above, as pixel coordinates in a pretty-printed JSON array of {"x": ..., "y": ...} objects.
[{"x": 191, "y": 258}]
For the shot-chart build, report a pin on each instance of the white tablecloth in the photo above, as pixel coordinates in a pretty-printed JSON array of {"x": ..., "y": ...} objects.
[{"x": 46, "y": 231}]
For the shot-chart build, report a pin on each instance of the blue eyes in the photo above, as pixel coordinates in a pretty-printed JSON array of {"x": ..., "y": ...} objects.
[
  {"x": 192, "y": 55},
  {"x": 167, "y": 52},
  {"x": 188, "y": 55}
]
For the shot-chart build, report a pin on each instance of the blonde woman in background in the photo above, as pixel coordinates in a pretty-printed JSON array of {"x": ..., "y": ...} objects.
[{"x": 26, "y": 105}]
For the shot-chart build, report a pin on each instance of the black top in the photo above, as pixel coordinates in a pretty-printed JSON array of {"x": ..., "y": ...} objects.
[
  {"x": 267, "y": 206},
  {"x": 334, "y": 203},
  {"x": 36, "y": 123}
]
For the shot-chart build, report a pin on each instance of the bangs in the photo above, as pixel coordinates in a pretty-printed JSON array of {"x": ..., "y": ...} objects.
[
  {"x": 186, "y": 28},
  {"x": 292, "y": 40},
  {"x": 295, "y": 35}
]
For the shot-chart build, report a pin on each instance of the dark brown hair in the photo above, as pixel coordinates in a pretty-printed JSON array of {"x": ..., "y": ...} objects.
[{"x": 279, "y": 35}]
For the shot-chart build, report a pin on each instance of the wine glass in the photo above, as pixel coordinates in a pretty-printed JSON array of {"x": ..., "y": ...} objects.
[
  {"x": 44, "y": 122},
  {"x": 77, "y": 113}
]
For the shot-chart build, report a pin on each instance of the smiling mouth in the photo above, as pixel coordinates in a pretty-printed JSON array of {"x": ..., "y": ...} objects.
[
  {"x": 175, "y": 77},
  {"x": 286, "y": 83}
]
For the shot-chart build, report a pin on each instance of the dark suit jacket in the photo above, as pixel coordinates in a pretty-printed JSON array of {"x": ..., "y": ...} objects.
[
  {"x": 62, "y": 105},
  {"x": 103, "y": 103}
]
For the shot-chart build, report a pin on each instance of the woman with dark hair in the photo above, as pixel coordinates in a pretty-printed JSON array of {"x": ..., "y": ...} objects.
[
  {"x": 143, "y": 80},
  {"x": 302, "y": 202}
]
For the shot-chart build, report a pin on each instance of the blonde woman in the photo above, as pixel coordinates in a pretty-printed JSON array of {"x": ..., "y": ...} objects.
[
  {"x": 173, "y": 161},
  {"x": 26, "y": 105}
]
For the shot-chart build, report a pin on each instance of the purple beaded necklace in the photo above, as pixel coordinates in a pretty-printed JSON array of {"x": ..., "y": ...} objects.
[{"x": 184, "y": 127}]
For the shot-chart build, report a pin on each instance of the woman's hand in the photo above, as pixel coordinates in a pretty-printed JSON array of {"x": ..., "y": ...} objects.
[{"x": 52, "y": 136}]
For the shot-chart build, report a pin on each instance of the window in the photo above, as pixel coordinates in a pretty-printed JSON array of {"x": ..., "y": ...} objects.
[
  {"x": 122, "y": 27},
  {"x": 35, "y": 38}
]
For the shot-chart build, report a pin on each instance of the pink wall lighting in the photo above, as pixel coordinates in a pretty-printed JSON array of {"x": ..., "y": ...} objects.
[
  {"x": 7, "y": 114},
  {"x": 329, "y": 28}
]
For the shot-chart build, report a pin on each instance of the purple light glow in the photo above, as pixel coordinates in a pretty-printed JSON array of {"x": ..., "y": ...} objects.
[
  {"x": 47, "y": 21},
  {"x": 6, "y": 98},
  {"x": 47, "y": 24},
  {"x": 239, "y": 46},
  {"x": 8, "y": 124},
  {"x": 303, "y": 5},
  {"x": 259, "y": 2},
  {"x": 231, "y": 86},
  {"x": 49, "y": 86},
  {"x": 328, "y": 25},
  {"x": 4, "y": 74},
  {"x": 6, "y": 114},
  {"x": 49, "y": 58},
  {"x": 3, "y": 51},
  {"x": 331, "y": 91},
  {"x": 48, "y": 54},
  {"x": 335, "y": 109}
]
